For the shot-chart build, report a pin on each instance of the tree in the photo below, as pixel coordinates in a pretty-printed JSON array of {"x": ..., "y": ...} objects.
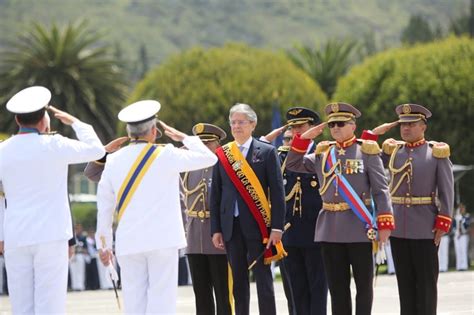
[
  {"x": 438, "y": 75},
  {"x": 201, "y": 85},
  {"x": 418, "y": 30},
  {"x": 325, "y": 64},
  {"x": 464, "y": 24},
  {"x": 83, "y": 77}
]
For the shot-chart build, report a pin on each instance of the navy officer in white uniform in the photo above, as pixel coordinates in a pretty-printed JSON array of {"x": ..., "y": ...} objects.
[
  {"x": 141, "y": 183},
  {"x": 36, "y": 225}
]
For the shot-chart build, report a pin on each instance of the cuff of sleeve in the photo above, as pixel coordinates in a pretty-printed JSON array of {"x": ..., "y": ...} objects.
[
  {"x": 300, "y": 145},
  {"x": 369, "y": 135},
  {"x": 102, "y": 160},
  {"x": 443, "y": 223},
  {"x": 277, "y": 230},
  {"x": 385, "y": 221}
]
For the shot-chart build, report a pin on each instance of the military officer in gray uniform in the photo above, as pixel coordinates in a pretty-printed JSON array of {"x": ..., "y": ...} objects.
[
  {"x": 208, "y": 265},
  {"x": 351, "y": 177},
  {"x": 422, "y": 190}
]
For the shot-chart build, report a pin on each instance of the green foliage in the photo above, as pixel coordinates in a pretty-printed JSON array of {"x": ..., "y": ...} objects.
[
  {"x": 325, "y": 64},
  {"x": 437, "y": 75},
  {"x": 464, "y": 25},
  {"x": 83, "y": 78},
  {"x": 170, "y": 26},
  {"x": 85, "y": 214},
  {"x": 201, "y": 85},
  {"x": 418, "y": 30}
]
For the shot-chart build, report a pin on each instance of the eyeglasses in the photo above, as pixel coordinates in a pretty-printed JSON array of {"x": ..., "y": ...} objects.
[
  {"x": 238, "y": 122},
  {"x": 340, "y": 124}
]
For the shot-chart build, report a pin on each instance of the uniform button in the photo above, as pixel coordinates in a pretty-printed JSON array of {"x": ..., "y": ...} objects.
[
  {"x": 411, "y": 150},
  {"x": 410, "y": 159},
  {"x": 408, "y": 194},
  {"x": 298, "y": 177},
  {"x": 206, "y": 170}
]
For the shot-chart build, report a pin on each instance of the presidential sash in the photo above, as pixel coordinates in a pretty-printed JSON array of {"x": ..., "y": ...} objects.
[
  {"x": 146, "y": 157},
  {"x": 351, "y": 197},
  {"x": 250, "y": 189}
]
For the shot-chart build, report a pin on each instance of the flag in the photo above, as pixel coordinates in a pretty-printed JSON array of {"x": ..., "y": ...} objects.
[{"x": 276, "y": 123}]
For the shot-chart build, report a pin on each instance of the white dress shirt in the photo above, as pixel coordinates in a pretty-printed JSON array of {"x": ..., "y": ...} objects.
[
  {"x": 33, "y": 170},
  {"x": 152, "y": 219}
]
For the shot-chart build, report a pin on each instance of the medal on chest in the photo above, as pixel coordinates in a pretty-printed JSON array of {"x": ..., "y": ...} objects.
[{"x": 354, "y": 166}]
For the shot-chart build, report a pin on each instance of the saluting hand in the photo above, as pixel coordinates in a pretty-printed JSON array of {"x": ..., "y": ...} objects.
[
  {"x": 383, "y": 128},
  {"x": 64, "y": 117},
  {"x": 173, "y": 133},
  {"x": 314, "y": 131},
  {"x": 115, "y": 144},
  {"x": 274, "y": 133}
]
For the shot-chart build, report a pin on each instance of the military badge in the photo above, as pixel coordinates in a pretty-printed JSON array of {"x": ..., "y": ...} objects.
[
  {"x": 354, "y": 166},
  {"x": 335, "y": 107},
  {"x": 371, "y": 234},
  {"x": 295, "y": 112},
  {"x": 406, "y": 109},
  {"x": 199, "y": 128}
]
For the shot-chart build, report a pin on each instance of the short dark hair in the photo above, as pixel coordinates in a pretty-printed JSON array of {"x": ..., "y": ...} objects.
[{"x": 31, "y": 118}]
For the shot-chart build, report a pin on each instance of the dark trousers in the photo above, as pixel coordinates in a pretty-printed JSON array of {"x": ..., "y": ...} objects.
[
  {"x": 92, "y": 275},
  {"x": 241, "y": 252},
  {"x": 209, "y": 274},
  {"x": 338, "y": 258},
  {"x": 285, "y": 279},
  {"x": 308, "y": 281},
  {"x": 416, "y": 267}
]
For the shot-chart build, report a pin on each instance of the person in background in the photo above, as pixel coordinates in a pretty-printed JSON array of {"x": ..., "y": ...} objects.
[{"x": 461, "y": 223}]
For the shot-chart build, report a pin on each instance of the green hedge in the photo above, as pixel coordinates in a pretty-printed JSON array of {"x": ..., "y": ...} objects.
[
  {"x": 438, "y": 75},
  {"x": 201, "y": 85}
]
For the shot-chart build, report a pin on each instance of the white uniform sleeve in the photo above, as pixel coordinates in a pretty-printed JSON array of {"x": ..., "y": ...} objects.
[
  {"x": 197, "y": 156},
  {"x": 105, "y": 211},
  {"x": 2, "y": 212},
  {"x": 87, "y": 148}
]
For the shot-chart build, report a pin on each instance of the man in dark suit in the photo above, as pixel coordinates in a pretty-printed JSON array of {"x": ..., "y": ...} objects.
[{"x": 245, "y": 181}]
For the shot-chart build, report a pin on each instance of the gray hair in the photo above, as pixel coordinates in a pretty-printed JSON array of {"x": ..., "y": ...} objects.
[
  {"x": 243, "y": 109},
  {"x": 141, "y": 129}
]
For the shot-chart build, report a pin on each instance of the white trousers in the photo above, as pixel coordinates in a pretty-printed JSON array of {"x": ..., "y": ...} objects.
[
  {"x": 388, "y": 253},
  {"x": 2, "y": 264},
  {"x": 461, "y": 246},
  {"x": 77, "y": 268},
  {"x": 104, "y": 278},
  {"x": 37, "y": 278},
  {"x": 443, "y": 253},
  {"x": 150, "y": 281}
]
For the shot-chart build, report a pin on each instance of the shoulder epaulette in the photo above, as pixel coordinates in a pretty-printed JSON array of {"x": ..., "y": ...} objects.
[
  {"x": 284, "y": 148},
  {"x": 389, "y": 146},
  {"x": 369, "y": 146},
  {"x": 323, "y": 146},
  {"x": 441, "y": 150}
]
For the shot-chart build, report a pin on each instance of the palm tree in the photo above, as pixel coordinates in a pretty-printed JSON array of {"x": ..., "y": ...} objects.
[
  {"x": 81, "y": 74},
  {"x": 325, "y": 64}
]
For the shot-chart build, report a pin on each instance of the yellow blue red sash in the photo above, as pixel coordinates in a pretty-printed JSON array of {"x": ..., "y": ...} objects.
[
  {"x": 248, "y": 185},
  {"x": 134, "y": 176},
  {"x": 351, "y": 197}
]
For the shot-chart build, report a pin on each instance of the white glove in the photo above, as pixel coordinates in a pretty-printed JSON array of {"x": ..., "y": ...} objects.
[{"x": 380, "y": 256}]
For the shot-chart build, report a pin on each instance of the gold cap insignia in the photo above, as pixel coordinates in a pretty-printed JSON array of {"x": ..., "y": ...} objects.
[
  {"x": 199, "y": 128},
  {"x": 335, "y": 107},
  {"x": 295, "y": 112},
  {"x": 406, "y": 109}
]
